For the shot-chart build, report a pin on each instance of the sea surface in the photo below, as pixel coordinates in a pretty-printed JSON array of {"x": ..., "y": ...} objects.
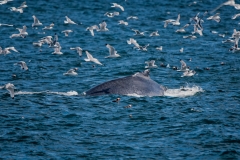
[{"x": 50, "y": 118}]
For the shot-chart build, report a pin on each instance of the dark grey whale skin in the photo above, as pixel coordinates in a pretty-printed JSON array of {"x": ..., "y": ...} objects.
[{"x": 139, "y": 84}]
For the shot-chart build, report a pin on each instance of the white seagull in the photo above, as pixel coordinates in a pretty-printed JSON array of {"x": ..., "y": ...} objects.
[
  {"x": 48, "y": 27},
  {"x": 159, "y": 48},
  {"x": 150, "y": 64},
  {"x": 38, "y": 44},
  {"x": 36, "y": 22},
  {"x": 172, "y": 21},
  {"x": 47, "y": 39},
  {"x": 134, "y": 42},
  {"x": 183, "y": 66},
  {"x": 118, "y": 6},
  {"x": 69, "y": 21},
  {"x": 181, "y": 30},
  {"x": 71, "y": 72},
  {"x": 7, "y": 50},
  {"x": 14, "y": 9},
  {"x": 66, "y": 32},
  {"x": 10, "y": 87},
  {"x": 143, "y": 48},
  {"x": 122, "y": 22},
  {"x": 215, "y": 17},
  {"x": 22, "y": 64},
  {"x": 132, "y": 17},
  {"x": 192, "y": 37},
  {"x": 112, "y": 52},
  {"x": 5, "y": 1},
  {"x": 92, "y": 28},
  {"x": 103, "y": 26},
  {"x": 111, "y": 14},
  {"x": 154, "y": 34},
  {"x": 90, "y": 58},
  {"x": 196, "y": 30},
  {"x": 57, "y": 48},
  {"x": 188, "y": 73},
  {"x": 177, "y": 22},
  {"x": 137, "y": 32},
  {"x": 22, "y": 32},
  {"x": 78, "y": 49},
  {"x": 166, "y": 22},
  {"x": 181, "y": 50}
]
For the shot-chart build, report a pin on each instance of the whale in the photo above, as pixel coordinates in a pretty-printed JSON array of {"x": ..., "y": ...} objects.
[{"x": 139, "y": 84}]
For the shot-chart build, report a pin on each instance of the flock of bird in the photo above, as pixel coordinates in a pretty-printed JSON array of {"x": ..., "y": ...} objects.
[{"x": 52, "y": 41}]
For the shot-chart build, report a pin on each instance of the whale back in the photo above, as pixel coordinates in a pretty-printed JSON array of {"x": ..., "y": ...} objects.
[{"x": 139, "y": 84}]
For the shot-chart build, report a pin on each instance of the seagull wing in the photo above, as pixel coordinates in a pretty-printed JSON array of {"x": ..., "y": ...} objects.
[
  {"x": 178, "y": 18},
  {"x": 95, "y": 60},
  {"x": 135, "y": 43},
  {"x": 79, "y": 51},
  {"x": 112, "y": 50},
  {"x": 89, "y": 56},
  {"x": 68, "y": 19},
  {"x": 92, "y": 32},
  {"x": 121, "y": 7},
  {"x": 12, "y": 48},
  {"x": 103, "y": 25},
  {"x": 36, "y": 20},
  {"x": 235, "y": 16},
  {"x": 25, "y": 66},
  {"x": 95, "y": 27},
  {"x": 10, "y": 88},
  {"x": 217, "y": 7},
  {"x": 23, "y": 30},
  {"x": 115, "y": 13},
  {"x": 23, "y": 5},
  {"x": 183, "y": 65},
  {"x": 70, "y": 70}
]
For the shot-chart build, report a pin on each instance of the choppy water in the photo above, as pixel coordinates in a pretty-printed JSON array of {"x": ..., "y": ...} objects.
[{"x": 49, "y": 119}]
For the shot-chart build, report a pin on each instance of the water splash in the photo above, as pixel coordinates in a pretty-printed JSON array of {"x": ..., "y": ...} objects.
[{"x": 183, "y": 91}]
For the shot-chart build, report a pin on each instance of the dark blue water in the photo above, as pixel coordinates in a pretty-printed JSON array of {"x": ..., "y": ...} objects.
[{"x": 49, "y": 119}]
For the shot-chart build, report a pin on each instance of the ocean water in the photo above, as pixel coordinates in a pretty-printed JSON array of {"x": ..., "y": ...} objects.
[{"x": 49, "y": 118}]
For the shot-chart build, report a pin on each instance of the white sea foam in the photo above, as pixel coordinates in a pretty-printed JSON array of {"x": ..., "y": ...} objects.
[
  {"x": 183, "y": 91},
  {"x": 24, "y": 92},
  {"x": 180, "y": 92},
  {"x": 70, "y": 93}
]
